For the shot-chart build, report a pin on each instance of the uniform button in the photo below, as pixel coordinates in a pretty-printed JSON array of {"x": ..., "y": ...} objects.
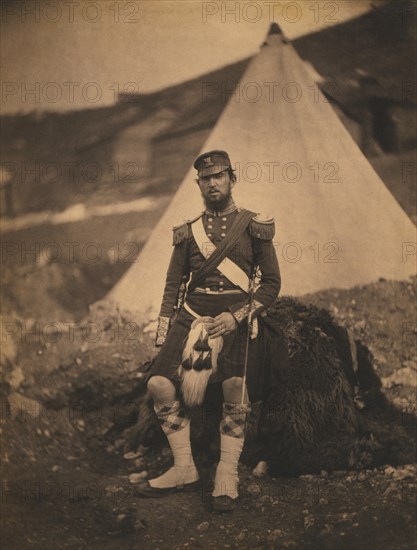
[
  {"x": 223, "y": 227},
  {"x": 210, "y": 219},
  {"x": 222, "y": 234},
  {"x": 207, "y": 288},
  {"x": 223, "y": 219},
  {"x": 221, "y": 283},
  {"x": 209, "y": 227},
  {"x": 220, "y": 290},
  {"x": 209, "y": 235}
]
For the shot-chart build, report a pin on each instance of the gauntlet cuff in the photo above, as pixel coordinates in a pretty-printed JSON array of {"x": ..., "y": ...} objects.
[
  {"x": 240, "y": 313},
  {"x": 162, "y": 330}
]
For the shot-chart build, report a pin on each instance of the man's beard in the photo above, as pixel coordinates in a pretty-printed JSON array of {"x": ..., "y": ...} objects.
[{"x": 218, "y": 204}]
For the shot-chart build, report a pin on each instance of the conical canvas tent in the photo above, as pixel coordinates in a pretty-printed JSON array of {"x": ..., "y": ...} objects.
[{"x": 337, "y": 224}]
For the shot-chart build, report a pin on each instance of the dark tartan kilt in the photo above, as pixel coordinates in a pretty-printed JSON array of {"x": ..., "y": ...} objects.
[{"x": 268, "y": 357}]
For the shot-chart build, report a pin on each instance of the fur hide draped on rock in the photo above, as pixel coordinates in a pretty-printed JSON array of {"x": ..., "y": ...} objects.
[{"x": 316, "y": 417}]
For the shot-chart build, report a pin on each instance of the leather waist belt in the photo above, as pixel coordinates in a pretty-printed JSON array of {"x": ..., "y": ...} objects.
[{"x": 208, "y": 291}]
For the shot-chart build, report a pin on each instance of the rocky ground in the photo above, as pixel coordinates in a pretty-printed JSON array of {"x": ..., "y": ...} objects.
[{"x": 70, "y": 450}]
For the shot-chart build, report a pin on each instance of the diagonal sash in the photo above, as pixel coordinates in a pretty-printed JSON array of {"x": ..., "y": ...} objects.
[
  {"x": 230, "y": 269},
  {"x": 240, "y": 224}
]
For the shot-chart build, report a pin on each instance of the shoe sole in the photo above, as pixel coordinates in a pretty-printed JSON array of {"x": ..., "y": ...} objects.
[
  {"x": 222, "y": 507},
  {"x": 154, "y": 492}
]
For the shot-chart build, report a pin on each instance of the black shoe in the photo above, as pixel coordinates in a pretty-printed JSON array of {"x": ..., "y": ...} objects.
[
  {"x": 223, "y": 503},
  {"x": 146, "y": 490}
]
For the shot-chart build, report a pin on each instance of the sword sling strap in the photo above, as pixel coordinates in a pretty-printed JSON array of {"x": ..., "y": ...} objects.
[{"x": 227, "y": 267}]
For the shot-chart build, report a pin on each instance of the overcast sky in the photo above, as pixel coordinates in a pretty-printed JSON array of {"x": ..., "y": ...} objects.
[{"x": 78, "y": 54}]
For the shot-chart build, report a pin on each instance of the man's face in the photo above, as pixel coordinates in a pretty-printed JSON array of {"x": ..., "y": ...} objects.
[{"x": 216, "y": 188}]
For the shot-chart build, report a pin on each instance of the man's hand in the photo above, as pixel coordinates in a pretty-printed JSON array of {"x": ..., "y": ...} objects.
[{"x": 223, "y": 324}]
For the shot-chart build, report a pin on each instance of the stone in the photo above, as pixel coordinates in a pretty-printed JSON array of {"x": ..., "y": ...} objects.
[
  {"x": 254, "y": 489},
  {"x": 131, "y": 455},
  {"x": 138, "y": 476},
  {"x": 261, "y": 469}
]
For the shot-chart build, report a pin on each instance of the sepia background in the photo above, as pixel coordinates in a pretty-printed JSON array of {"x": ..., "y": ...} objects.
[{"x": 104, "y": 107}]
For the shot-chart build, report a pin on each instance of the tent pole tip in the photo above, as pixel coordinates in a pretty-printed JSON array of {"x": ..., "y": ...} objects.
[{"x": 274, "y": 29}]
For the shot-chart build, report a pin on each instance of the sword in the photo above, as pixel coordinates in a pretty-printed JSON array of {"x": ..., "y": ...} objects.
[{"x": 249, "y": 331}]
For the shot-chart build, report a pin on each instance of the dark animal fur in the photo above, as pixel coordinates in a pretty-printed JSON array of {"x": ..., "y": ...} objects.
[{"x": 311, "y": 423}]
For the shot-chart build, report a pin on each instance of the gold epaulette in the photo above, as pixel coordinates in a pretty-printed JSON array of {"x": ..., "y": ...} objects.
[
  {"x": 182, "y": 231},
  {"x": 262, "y": 227}
]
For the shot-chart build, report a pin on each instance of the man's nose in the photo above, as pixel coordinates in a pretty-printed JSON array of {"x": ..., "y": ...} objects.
[{"x": 212, "y": 181}]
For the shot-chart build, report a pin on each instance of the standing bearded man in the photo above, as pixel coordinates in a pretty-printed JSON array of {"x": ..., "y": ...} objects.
[{"x": 217, "y": 254}]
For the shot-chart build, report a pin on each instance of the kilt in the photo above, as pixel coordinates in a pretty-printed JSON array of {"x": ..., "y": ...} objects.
[{"x": 267, "y": 360}]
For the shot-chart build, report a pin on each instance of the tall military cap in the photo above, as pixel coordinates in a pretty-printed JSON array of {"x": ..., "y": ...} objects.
[{"x": 211, "y": 163}]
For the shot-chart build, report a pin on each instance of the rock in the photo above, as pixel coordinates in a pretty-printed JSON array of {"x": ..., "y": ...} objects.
[
  {"x": 380, "y": 358},
  {"x": 139, "y": 463},
  {"x": 309, "y": 522},
  {"x": 334, "y": 309},
  {"x": 112, "y": 489},
  {"x": 412, "y": 364},
  {"x": 140, "y": 524},
  {"x": 15, "y": 379},
  {"x": 327, "y": 530},
  {"x": 141, "y": 450},
  {"x": 138, "y": 476},
  {"x": 261, "y": 469},
  {"x": 404, "y": 473},
  {"x": 242, "y": 535},
  {"x": 131, "y": 455},
  {"x": 254, "y": 489},
  {"x": 307, "y": 477},
  {"x": 203, "y": 526},
  {"x": 405, "y": 405},
  {"x": 389, "y": 470},
  {"x": 406, "y": 376}
]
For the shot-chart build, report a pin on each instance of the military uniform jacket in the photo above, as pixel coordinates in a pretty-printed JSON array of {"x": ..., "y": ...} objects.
[{"x": 254, "y": 248}]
